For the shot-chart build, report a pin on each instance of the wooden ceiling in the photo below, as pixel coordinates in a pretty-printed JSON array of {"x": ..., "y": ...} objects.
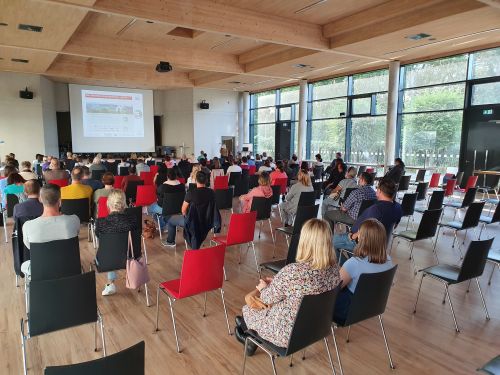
[{"x": 243, "y": 45}]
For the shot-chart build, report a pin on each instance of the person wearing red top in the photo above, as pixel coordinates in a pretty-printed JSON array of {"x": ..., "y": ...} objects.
[
  {"x": 263, "y": 190},
  {"x": 278, "y": 173},
  {"x": 132, "y": 176}
]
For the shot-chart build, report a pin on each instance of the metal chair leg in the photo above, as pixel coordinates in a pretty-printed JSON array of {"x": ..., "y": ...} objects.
[
  {"x": 95, "y": 335},
  {"x": 225, "y": 311},
  {"x": 173, "y": 322},
  {"x": 418, "y": 293},
  {"x": 437, "y": 236},
  {"x": 147, "y": 295},
  {"x": 23, "y": 347},
  {"x": 337, "y": 350},
  {"x": 329, "y": 356},
  {"x": 159, "y": 227},
  {"x": 145, "y": 249},
  {"x": 482, "y": 299},
  {"x": 255, "y": 256},
  {"x": 492, "y": 271},
  {"x": 157, "y": 308},
  {"x": 101, "y": 323},
  {"x": 271, "y": 228},
  {"x": 348, "y": 334},
  {"x": 205, "y": 306},
  {"x": 468, "y": 286},
  {"x": 244, "y": 356},
  {"x": 260, "y": 228},
  {"x": 451, "y": 307},
  {"x": 291, "y": 361},
  {"x": 225, "y": 276},
  {"x": 386, "y": 344}
]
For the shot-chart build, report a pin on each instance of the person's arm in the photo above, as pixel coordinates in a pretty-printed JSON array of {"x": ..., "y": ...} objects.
[
  {"x": 291, "y": 193},
  {"x": 349, "y": 202},
  {"x": 185, "y": 206},
  {"x": 276, "y": 291},
  {"x": 345, "y": 277}
]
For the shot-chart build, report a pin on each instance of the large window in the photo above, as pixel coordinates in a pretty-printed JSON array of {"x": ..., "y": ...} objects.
[{"x": 263, "y": 120}]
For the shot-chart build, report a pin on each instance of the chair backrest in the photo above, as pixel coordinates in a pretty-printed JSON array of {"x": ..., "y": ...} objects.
[
  {"x": 404, "y": 183},
  {"x": 496, "y": 215},
  {"x": 242, "y": 186},
  {"x": 317, "y": 189},
  {"x": 61, "y": 183},
  {"x": 408, "y": 204},
  {"x": 146, "y": 195},
  {"x": 434, "y": 183},
  {"x": 471, "y": 182},
  {"x": 147, "y": 177},
  {"x": 153, "y": 169},
  {"x": 78, "y": 207},
  {"x": 224, "y": 198},
  {"x": 12, "y": 200},
  {"x": 371, "y": 295},
  {"x": 202, "y": 271},
  {"x": 234, "y": 177},
  {"x": 469, "y": 197},
  {"x": 126, "y": 362},
  {"x": 251, "y": 170},
  {"x": 313, "y": 321},
  {"x": 96, "y": 174},
  {"x": 241, "y": 228},
  {"x": 307, "y": 198},
  {"x": 221, "y": 182},
  {"x": 62, "y": 303},
  {"x": 421, "y": 190},
  {"x": 436, "y": 201},
  {"x": 276, "y": 194},
  {"x": 428, "y": 224},
  {"x": 118, "y": 182},
  {"x": 123, "y": 171},
  {"x": 112, "y": 251},
  {"x": 55, "y": 259},
  {"x": 365, "y": 204},
  {"x": 475, "y": 259},
  {"x": 172, "y": 203},
  {"x": 136, "y": 212},
  {"x": 112, "y": 167},
  {"x": 20, "y": 253},
  {"x": 292, "y": 248},
  {"x": 131, "y": 191},
  {"x": 460, "y": 176},
  {"x": 450, "y": 187},
  {"x": 263, "y": 207},
  {"x": 420, "y": 175},
  {"x": 282, "y": 182},
  {"x": 102, "y": 207},
  {"x": 304, "y": 213},
  {"x": 471, "y": 218}
]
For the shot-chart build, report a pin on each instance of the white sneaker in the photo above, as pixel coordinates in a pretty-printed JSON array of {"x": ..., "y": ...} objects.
[{"x": 109, "y": 290}]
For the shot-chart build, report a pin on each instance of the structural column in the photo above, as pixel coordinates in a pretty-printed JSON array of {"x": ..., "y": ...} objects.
[
  {"x": 301, "y": 152},
  {"x": 392, "y": 114},
  {"x": 239, "y": 138},
  {"x": 246, "y": 117}
]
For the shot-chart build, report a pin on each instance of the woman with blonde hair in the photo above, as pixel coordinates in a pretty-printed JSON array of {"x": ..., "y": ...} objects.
[
  {"x": 192, "y": 176},
  {"x": 216, "y": 171},
  {"x": 370, "y": 256},
  {"x": 289, "y": 206},
  {"x": 314, "y": 272},
  {"x": 263, "y": 190},
  {"x": 97, "y": 165}
]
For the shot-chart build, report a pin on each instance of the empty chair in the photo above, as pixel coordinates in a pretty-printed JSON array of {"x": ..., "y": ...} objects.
[
  {"x": 307, "y": 198},
  {"x": 61, "y": 183},
  {"x": 202, "y": 272},
  {"x": 434, "y": 182},
  {"x": 420, "y": 177},
  {"x": 263, "y": 207},
  {"x": 312, "y": 324},
  {"x": 408, "y": 206},
  {"x": 221, "y": 182},
  {"x": 304, "y": 213},
  {"x": 435, "y": 203},
  {"x": 234, "y": 177},
  {"x": 276, "y": 265},
  {"x": 459, "y": 178},
  {"x": 123, "y": 171},
  {"x": 472, "y": 268},
  {"x": 224, "y": 198},
  {"x": 118, "y": 182},
  {"x": 491, "y": 187},
  {"x": 449, "y": 188},
  {"x": 131, "y": 192},
  {"x": 485, "y": 220},
  {"x": 421, "y": 190},
  {"x": 172, "y": 205},
  {"x": 369, "y": 300},
  {"x": 469, "y": 198},
  {"x": 404, "y": 183},
  {"x": 146, "y": 195},
  {"x": 471, "y": 182}
]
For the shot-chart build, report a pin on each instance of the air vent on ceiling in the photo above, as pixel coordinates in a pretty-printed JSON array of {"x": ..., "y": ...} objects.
[
  {"x": 310, "y": 6},
  {"x": 20, "y": 61},
  {"x": 184, "y": 32},
  {"x": 4, "y": 24},
  {"x": 418, "y": 36},
  {"x": 302, "y": 66},
  {"x": 36, "y": 29},
  {"x": 235, "y": 82}
]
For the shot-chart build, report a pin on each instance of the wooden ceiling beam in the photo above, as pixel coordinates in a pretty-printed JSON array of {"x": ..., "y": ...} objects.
[
  {"x": 278, "y": 58},
  {"x": 491, "y": 3},
  {"x": 261, "y": 52},
  {"x": 210, "y": 78}
]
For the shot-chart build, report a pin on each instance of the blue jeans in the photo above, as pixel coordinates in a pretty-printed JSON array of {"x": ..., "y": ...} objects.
[
  {"x": 173, "y": 222},
  {"x": 154, "y": 210},
  {"x": 112, "y": 276},
  {"x": 341, "y": 241},
  {"x": 342, "y": 306}
]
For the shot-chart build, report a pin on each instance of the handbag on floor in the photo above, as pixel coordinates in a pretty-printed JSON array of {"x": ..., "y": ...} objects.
[
  {"x": 137, "y": 270},
  {"x": 149, "y": 230}
]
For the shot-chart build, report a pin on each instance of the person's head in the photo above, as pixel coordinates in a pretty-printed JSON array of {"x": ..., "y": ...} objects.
[
  {"x": 26, "y": 166},
  {"x": 372, "y": 242},
  {"x": 76, "y": 175},
  {"x": 270, "y": 159},
  {"x": 203, "y": 162},
  {"x": 202, "y": 153},
  {"x": 386, "y": 190},
  {"x": 162, "y": 169},
  {"x": 351, "y": 172},
  {"x": 318, "y": 157},
  {"x": 340, "y": 166},
  {"x": 12, "y": 155},
  {"x": 315, "y": 245},
  {"x": 15, "y": 178},
  {"x": 264, "y": 179},
  {"x": 280, "y": 167},
  {"x": 172, "y": 174},
  {"x": 216, "y": 164},
  {"x": 97, "y": 160},
  {"x": 201, "y": 178},
  {"x": 338, "y": 155},
  {"x": 184, "y": 157},
  {"x": 117, "y": 202},
  {"x": 69, "y": 155},
  {"x": 235, "y": 161},
  {"x": 304, "y": 178},
  {"x": 168, "y": 158},
  {"x": 398, "y": 161},
  {"x": 32, "y": 188},
  {"x": 244, "y": 159},
  {"x": 257, "y": 156},
  {"x": 8, "y": 169},
  {"x": 108, "y": 179},
  {"x": 131, "y": 169},
  {"x": 267, "y": 163},
  {"x": 54, "y": 164},
  {"x": 194, "y": 171},
  {"x": 304, "y": 165},
  {"x": 264, "y": 155},
  {"x": 85, "y": 172},
  {"x": 140, "y": 160},
  {"x": 365, "y": 179},
  {"x": 294, "y": 157},
  {"x": 110, "y": 156},
  {"x": 50, "y": 195}
]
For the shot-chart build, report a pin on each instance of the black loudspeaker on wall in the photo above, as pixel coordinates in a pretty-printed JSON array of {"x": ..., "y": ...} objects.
[
  {"x": 204, "y": 105},
  {"x": 26, "y": 94}
]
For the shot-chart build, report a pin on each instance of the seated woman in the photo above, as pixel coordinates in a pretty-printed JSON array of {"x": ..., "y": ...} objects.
[
  {"x": 160, "y": 176},
  {"x": 289, "y": 206},
  {"x": 263, "y": 190},
  {"x": 15, "y": 185},
  {"x": 172, "y": 185},
  {"x": 216, "y": 171},
  {"x": 108, "y": 181},
  {"x": 370, "y": 256},
  {"x": 192, "y": 177},
  {"x": 116, "y": 222},
  {"x": 314, "y": 272},
  {"x": 265, "y": 167},
  {"x": 278, "y": 173}
]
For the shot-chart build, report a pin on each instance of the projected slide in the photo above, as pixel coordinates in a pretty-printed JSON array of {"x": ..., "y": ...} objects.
[{"x": 112, "y": 114}]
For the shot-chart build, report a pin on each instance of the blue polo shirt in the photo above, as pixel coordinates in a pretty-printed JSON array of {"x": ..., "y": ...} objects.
[{"x": 388, "y": 213}]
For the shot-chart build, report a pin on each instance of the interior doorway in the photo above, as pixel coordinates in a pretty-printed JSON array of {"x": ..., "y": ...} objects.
[
  {"x": 229, "y": 142},
  {"x": 283, "y": 140}
]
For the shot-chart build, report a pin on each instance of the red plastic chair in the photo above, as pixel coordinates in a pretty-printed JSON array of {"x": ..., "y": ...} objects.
[
  {"x": 240, "y": 231},
  {"x": 281, "y": 182},
  {"x": 202, "y": 272},
  {"x": 450, "y": 188},
  {"x": 471, "y": 182},
  {"x": 182, "y": 180},
  {"x": 147, "y": 177},
  {"x": 102, "y": 207},
  {"x": 251, "y": 170},
  {"x": 146, "y": 195},
  {"x": 221, "y": 182},
  {"x": 434, "y": 182},
  {"x": 370, "y": 170},
  {"x": 61, "y": 183},
  {"x": 118, "y": 182},
  {"x": 153, "y": 169}
]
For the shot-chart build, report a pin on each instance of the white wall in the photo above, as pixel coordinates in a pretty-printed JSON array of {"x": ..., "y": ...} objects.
[{"x": 47, "y": 92}]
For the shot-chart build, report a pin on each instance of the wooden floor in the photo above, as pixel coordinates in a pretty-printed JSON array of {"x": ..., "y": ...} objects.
[{"x": 422, "y": 343}]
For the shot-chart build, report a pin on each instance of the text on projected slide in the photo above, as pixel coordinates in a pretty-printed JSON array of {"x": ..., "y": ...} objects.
[{"x": 112, "y": 114}]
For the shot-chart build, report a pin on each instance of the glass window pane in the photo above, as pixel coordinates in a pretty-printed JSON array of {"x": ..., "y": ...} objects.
[
  {"x": 486, "y": 93},
  {"x": 264, "y": 99},
  {"x": 434, "y": 98},
  {"x": 285, "y": 113},
  {"x": 329, "y": 108},
  {"x": 381, "y": 104},
  {"x": 431, "y": 139},
  {"x": 327, "y": 138},
  {"x": 368, "y": 139},
  {"x": 450, "y": 69},
  {"x": 370, "y": 82},
  {"x": 330, "y": 88},
  {"x": 263, "y": 115},
  {"x": 486, "y": 63},
  {"x": 263, "y": 138},
  {"x": 289, "y": 95},
  {"x": 361, "y": 106}
]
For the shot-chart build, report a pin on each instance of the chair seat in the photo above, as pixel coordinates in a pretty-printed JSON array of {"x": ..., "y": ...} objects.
[
  {"x": 492, "y": 367},
  {"x": 282, "y": 352},
  {"x": 485, "y": 219},
  {"x": 492, "y": 201},
  {"x": 287, "y": 230},
  {"x": 275, "y": 266},
  {"x": 421, "y": 209},
  {"x": 452, "y": 224},
  {"x": 444, "y": 272},
  {"x": 453, "y": 204},
  {"x": 409, "y": 234},
  {"x": 172, "y": 287},
  {"x": 222, "y": 239},
  {"x": 494, "y": 256}
]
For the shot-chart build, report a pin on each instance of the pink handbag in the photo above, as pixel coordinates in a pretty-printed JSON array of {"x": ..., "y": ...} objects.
[{"x": 137, "y": 270}]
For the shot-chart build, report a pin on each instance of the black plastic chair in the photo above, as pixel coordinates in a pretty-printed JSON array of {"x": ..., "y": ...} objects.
[
  {"x": 469, "y": 198},
  {"x": 20, "y": 253},
  {"x": 420, "y": 177},
  {"x": 421, "y": 190},
  {"x": 435, "y": 203},
  {"x": 137, "y": 238},
  {"x": 111, "y": 252},
  {"x": 263, "y": 206},
  {"x": 486, "y": 220},
  {"x": 276, "y": 194},
  {"x": 408, "y": 206},
  {"x": 317, "y": 189},
  {"x": 224, "y": 199},
  {"x": 368, "y": 300},
  {"x": 55, "y": 259},
  {"x": 59, "y": 304},
  {"x": 307, "y": 198},
  {"x": 172, "y": 205},
  {"x": 234, "y": 178},
  {"x": 318, "y": 173},
  {"x": 460, "y": 177},
  {"x": 492, "y": 367},
  {"x": 123, "y": 171},
  {"x": 242, "y": 185},
  {"x": 304, "y": 213},
  {"x": 361, "y": 169},
  {"x": 97, "y": 174},
  {"x": 277, "y": 265},
  {"x": 112, "y": 167},
  {"x": 78, "y": 207},
  {"x": 312, "y": 323},
  {"x": 253, "y": 181},
  {"x": 472, "y": 268},
  {"x": 131, "y": 191},
  {"x": 404, "y": 183},
  {"x": 12, "y": 200}
]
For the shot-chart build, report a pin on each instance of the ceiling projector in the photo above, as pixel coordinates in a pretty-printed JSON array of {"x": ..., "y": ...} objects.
[{"x": 163, "y": 66}]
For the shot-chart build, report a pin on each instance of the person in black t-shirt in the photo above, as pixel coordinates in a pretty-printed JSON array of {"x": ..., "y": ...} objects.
[{"x": 171, "y": 185}]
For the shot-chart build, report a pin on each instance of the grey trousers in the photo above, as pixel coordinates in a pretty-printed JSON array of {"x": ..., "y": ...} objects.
[{"x": 334, "y": 216}]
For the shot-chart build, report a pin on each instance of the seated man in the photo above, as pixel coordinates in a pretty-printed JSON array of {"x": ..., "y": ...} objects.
[
  {"x": 141, "y": 166},
  {"x": 77, "y": 190},
  {"x": 55, "y": 172},
  {"x": 333, "y": 200},
  {"x": 132, "y": 176},
  {"x": 348, "y": 212},
  {"x": 385, "y": 210},
  {"x": 394, "y": 174},
  {"x": 52, "y": 225},
  {"x": 172, "y": 185},
  {"x": 31, "y": 207},
  {"x": 89, "y": 181},
  {"x": 26, "y": 171}
]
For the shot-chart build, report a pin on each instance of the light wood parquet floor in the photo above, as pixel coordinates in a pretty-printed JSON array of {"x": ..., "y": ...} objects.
[{"x": 422, "y": 343}]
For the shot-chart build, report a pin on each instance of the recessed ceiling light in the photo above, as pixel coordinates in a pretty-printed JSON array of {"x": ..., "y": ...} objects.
[
  {"x": 34, "y": 28},
  {"x": 303, "y": 66},
  {"x": 20, "y": 61},
  {"x": 149, "y": 22},
  {"x": 235, "y": 82},
  {"x": 418, "y": 36}
]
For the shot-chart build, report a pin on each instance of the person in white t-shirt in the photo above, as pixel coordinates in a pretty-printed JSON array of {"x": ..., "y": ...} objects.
[
  {"x": 233, "y": 168},
  {"x": 266, "y": 167}
]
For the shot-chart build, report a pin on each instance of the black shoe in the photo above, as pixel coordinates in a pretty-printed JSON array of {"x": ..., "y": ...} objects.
[
  {"x": 239, "y": 321},
  {"x": 241, "y": 337}
]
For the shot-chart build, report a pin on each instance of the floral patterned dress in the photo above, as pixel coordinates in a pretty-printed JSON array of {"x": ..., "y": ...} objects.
[{"x": 284, "y": 294}]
